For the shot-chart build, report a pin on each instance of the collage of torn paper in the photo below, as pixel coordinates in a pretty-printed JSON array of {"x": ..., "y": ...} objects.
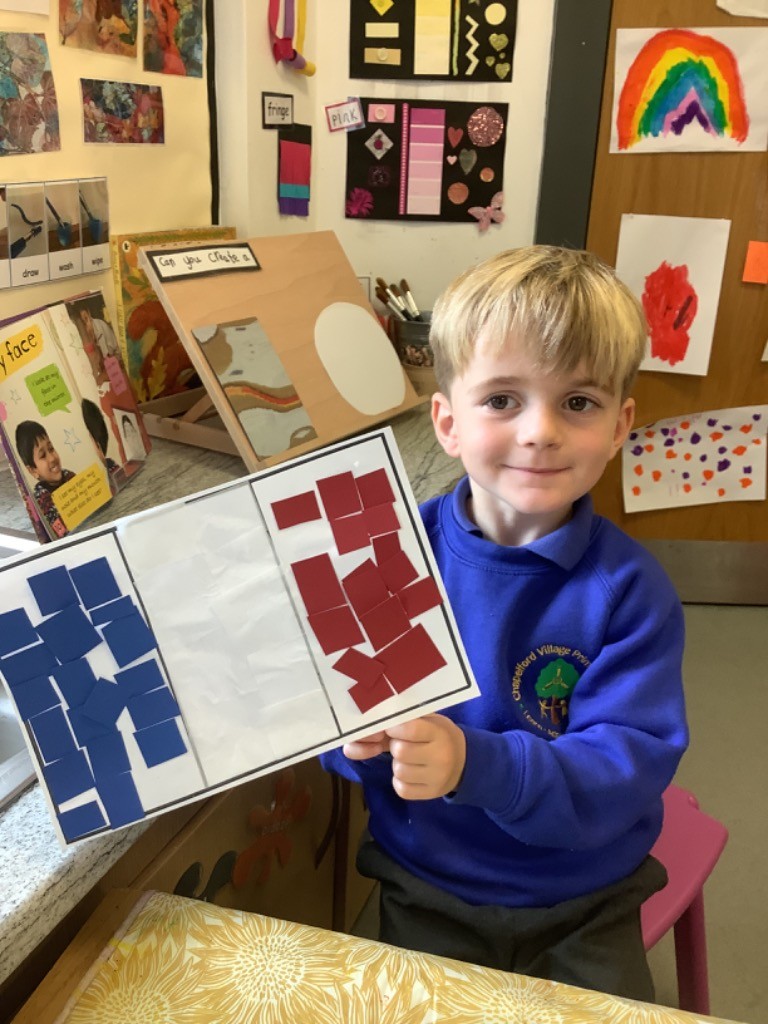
[
  {"x": 426, "y": 160},
  {"x": 186, "y": 649},
  {"x": 702, "y": 459},
  {"x": 460, "y": 40}
]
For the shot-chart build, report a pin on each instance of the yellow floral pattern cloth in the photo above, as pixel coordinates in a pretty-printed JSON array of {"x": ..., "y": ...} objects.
[{"x": 180, "y": 961}]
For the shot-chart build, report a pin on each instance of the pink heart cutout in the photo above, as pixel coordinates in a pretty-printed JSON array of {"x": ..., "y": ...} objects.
[
  {"x": 451, "y": 159},
  {"x": 455, "y": 136}
]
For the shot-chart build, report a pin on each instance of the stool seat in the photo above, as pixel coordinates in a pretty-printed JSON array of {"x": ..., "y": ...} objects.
[{"x": 689, "y": 846}]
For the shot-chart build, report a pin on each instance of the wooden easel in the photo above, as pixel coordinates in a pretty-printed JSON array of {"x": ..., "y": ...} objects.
[{"x": 180, "y": 418}]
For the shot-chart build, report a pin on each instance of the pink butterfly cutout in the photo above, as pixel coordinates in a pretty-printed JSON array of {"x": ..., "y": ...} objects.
[{"x": 486, "y": 215}]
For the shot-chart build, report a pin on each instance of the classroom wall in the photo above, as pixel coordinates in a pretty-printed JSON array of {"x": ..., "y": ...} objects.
[{"x": 427, "y": 254}]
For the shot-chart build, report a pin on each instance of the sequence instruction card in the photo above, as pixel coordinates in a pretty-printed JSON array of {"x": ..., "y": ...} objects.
[{"x": 180, "y": 651}]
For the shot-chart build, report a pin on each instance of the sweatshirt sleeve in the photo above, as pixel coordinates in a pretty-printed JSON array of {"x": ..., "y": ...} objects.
[
  {"x": 625, "y": 737},
  {"x": 357, "y": 771}
]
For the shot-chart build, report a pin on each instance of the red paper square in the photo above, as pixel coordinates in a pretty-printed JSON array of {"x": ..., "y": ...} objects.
[
  {"x": 336, "y": 629},
  {"x": 295, "y": 162},
  {"x": 375, "y": 488},
  {"x": 367, "y": 697},
  {"x": 364, "y": 587},
  {"x": 385, "y": 622},
  {"x": 398, "y": 571},
  {"x": 420, "y": 597},
  {"x": 381, "y": 519},
  {"x": 410, "y": 658},
  {"x": 339, "y": 495},
  {"x": 301, "y": 508},
  {"x": 359, "y": 666},
  {"x": 318, "y": 583},
  {"x": 385, "y": 546},
  {"x": 350, "y": 533}
]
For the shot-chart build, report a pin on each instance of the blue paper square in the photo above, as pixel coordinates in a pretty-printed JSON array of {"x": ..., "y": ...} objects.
[
  {"x": 69, "y": 633},
  {"x": 161, "y": 743},
  {"x": 95, "y": 582},
  {"x": 153, "y": 707},
  {"x": 34, "y": 661},
  {"x": 68, "y": 777},
  {"x": 113, "y": 610},
  {"x": 140, "y": 678},
  {"x": 76, "y": 681},
  {"x": 80, "y": 821},
  {"x": 105, "y": 703},
  {"x": 108, "y": 755},
  {"x": 35, "y": 696},
  {"x": 129, "y": 639},
  {"x": 120, "y": 798},
  {"x": 53, "y": 590},
  {"x": 16, "y": 631},
  {"x": 53, "y": 735},
  {"x": 85, "y": 728}
]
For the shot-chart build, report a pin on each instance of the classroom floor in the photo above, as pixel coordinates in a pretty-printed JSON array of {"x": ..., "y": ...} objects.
[{"x": 726, "y": 766}]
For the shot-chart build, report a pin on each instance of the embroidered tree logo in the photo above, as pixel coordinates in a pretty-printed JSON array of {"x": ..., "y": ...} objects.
[{"x": 554, "y": 686}]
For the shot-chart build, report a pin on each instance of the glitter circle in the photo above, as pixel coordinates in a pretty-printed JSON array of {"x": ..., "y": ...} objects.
[
  {"x": 495, "y": 14},
  {"x": 458, "y": 192},
  {"x": 485, "y": 126},
  {"x": 487, "y": 174}
]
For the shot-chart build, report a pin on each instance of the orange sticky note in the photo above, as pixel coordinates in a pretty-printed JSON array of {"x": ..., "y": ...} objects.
[{"x": 756, "y": 263}]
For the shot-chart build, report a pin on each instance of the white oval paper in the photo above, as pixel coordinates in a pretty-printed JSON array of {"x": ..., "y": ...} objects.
[{"x": 359, "y": 358}]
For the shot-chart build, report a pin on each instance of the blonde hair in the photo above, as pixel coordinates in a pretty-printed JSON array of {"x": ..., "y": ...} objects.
[{"x": 565, "y": 306}]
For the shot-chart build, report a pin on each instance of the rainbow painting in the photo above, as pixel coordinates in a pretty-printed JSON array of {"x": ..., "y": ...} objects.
[{"x": 687, "y": 89}]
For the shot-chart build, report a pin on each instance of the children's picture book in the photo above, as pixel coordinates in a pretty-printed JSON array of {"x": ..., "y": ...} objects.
[
  {"x": 181, "y": 651},
  {"x": 69, "y": 422},
  {"x": 155, "y": 359}
]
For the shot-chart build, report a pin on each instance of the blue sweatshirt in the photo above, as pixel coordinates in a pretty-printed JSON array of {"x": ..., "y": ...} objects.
[{"x": 576, "y": 642}]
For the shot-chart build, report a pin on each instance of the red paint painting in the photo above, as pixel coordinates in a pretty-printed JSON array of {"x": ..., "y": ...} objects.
[{"x": 670, "y": 303}]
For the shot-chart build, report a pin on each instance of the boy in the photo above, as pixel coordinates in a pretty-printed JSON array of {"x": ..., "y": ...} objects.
[
  {"x": 42, "y": 460},
  {"x": 514, "y": 830}
]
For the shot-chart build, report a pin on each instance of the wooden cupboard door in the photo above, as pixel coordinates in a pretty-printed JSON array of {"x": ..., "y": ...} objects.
[{"x": 733, "y": 186}]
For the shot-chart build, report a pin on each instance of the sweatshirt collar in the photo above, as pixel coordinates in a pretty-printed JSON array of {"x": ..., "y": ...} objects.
[{"x": 564, "y": 546}]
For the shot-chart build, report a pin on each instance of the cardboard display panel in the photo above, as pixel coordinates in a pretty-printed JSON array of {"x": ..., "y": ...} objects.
[{"x": 290, "y": 340}]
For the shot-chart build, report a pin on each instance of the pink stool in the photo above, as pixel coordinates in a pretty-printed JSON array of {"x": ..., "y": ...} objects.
[{"x": 689, "y": 847}]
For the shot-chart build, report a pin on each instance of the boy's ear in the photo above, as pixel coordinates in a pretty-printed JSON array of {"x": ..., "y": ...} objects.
[
  {"x": 624, "y": 422},
  {"x": 444, "y": 424}
]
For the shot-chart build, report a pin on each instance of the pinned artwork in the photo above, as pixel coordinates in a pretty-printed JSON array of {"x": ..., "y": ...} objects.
[
  {"x": 122, "y": 112},
  {"x": 688, "y": 90},
  {"x": 674, "y": 265},
  {"x": 702, "y": 459},
  {"x": 756, "y": 264},
  {"x": 29, "y": 113},
  {"x": 294, "y": 169},
  {"x": 187, "y": 649},
  {"x": 459, "y": 40},
  {"x": 427, "y": 160},
  {"x": 173, "y": 37},
  {"x": 104, "y": 28}
]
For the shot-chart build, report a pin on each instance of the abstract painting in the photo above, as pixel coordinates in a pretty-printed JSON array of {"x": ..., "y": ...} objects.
[
  {"x": 459, "y": 40},
  {"x": 105, "y": 26},
  {"x": 674, "y": 265},
  {"x": 427, "y": 160},
  {"x": 29, "y": 111},
  {"x": 701, "y": 459},
  {"x": 173, "y": 37},
  {"x": 684, "y": 90},
  {"x": 183, "y": 650},
  {"x": 124, "y": 112},
  {"x": 256, "y": 386}
]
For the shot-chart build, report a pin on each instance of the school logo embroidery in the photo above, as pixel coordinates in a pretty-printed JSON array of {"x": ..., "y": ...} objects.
[{"x": 543, "y": 683}]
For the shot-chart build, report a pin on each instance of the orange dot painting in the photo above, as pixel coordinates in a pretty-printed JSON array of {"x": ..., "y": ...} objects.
[
  {"x": 639, "y": 470},
  {"x": 745, "y": 482},
  {"x": 656, "y": 474},
  {"x": 739, "y": 449},
  {"x": 708, "y": 474}
]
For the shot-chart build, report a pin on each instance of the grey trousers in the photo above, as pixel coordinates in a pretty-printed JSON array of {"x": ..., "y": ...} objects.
[{"x": 593, "y": 941}]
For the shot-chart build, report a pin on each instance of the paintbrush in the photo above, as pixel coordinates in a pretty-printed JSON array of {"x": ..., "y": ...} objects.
[
  {"x": 402, "y": 300},
  {"x": 393, "y": 298},
  {"x": 385, "y": 300},
  {"x": 410, "y": 299}
]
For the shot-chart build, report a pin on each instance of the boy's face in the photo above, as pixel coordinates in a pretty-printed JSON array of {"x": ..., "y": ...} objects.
[
  {"x": 46, "y": 462},
  {"x": 532, "y": 442}
]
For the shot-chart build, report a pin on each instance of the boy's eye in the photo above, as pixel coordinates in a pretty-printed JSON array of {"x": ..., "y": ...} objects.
[
  {"x": 499, "y": 402},
  {"x": 580, "y": 403}
]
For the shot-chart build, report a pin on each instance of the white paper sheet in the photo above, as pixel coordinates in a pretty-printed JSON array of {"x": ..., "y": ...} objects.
[
  {"x": 232, "y": 641},
  {"x": 745, "y": 8},
  {"x": 674, "y": 265}
]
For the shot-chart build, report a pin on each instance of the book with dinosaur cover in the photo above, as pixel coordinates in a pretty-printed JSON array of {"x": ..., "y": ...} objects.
[{"x": 70, "y": 424}]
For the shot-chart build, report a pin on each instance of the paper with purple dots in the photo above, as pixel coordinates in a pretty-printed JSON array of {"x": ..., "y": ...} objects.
[{"x": 701, "y": 459}]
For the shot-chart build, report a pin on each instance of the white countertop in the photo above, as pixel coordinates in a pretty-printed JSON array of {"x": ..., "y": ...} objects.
[{"x": 39, "y": 881}]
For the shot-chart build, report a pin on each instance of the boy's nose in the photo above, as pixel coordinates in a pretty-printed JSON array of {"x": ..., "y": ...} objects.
[{"x": 538, "y": 427}]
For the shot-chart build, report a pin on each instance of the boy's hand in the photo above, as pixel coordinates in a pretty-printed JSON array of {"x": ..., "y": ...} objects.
[
  {"x": 428, "y": 757},
  {"x": 369, "y": 746}
]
